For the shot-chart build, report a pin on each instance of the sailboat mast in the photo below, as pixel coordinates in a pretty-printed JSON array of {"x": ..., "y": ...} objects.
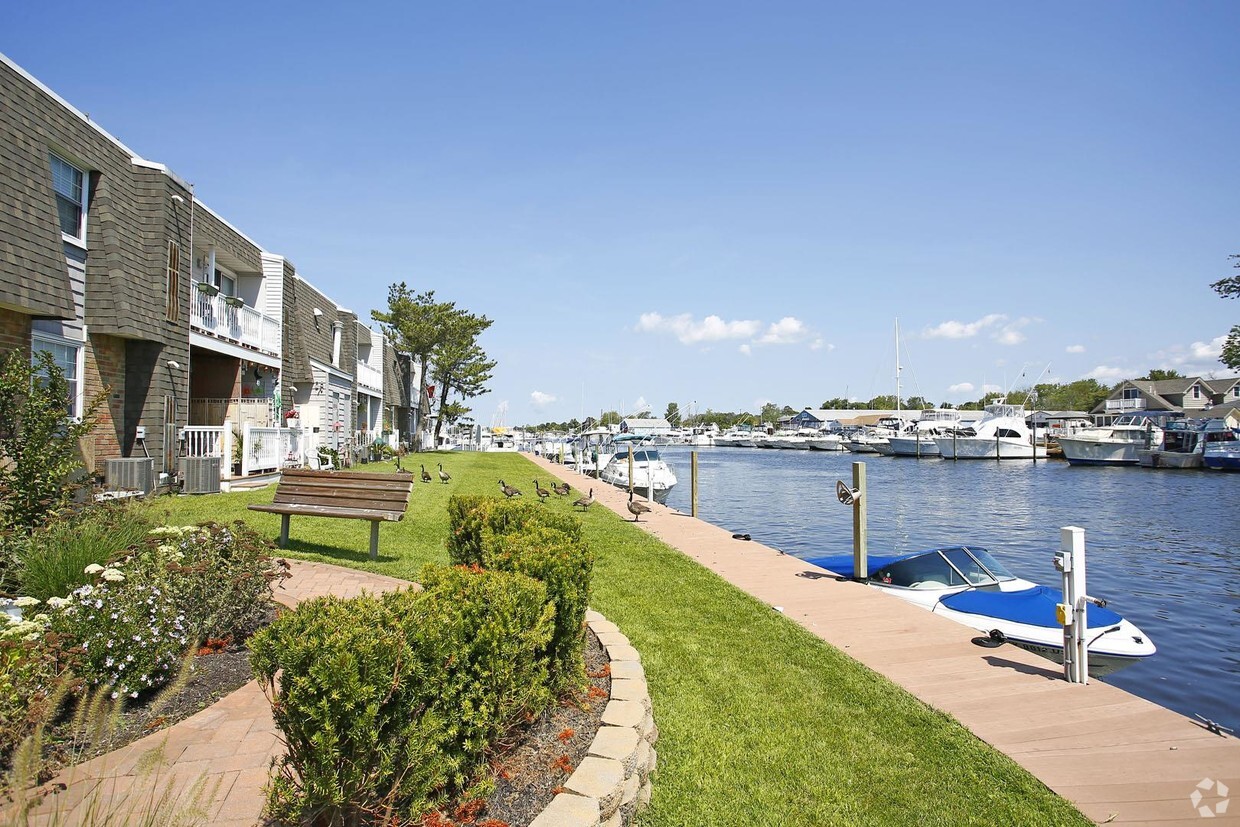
[{"x": 897, "y": 368}]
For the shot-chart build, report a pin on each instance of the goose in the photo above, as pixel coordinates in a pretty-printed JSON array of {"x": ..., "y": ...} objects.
[
  {"x": 585, "y": 502},
  {"x": 637, "y": 508},
  {"x": 426, "y": 476},
  {"x": 444, "y": 476},
  {"x": 508, "y": 490},
  {"x": 563, "y": 490},
  {"x": 542, "y": 493}
]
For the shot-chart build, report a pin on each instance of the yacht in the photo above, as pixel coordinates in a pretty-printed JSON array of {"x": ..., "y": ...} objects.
[
  {"x": 652, "y": 476},
  {"x": 1221, "y": 450},
  {"x": 1115, "y": 444},
  {"x": 866, "y": 439},
  {"x": 1001, "y": 433},
  {"x": 917, "y": 438},
  {"x": 827, "y": 438}
]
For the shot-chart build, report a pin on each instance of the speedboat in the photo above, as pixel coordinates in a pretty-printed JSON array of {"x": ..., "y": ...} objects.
[
  {"x": 968, "y": 585},
  {"x": 1182, "y": 446},
  {"x": 865, "y": 440},
  {"x": 1221, "y": 446},
  {"x": 652, "y": 476},
  {"x": 1000, "y": 434},
  {"x": 1116, "y": 444}
]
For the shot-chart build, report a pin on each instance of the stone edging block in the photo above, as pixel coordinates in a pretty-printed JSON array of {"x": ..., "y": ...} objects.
[{"x": 614, "y": 781}]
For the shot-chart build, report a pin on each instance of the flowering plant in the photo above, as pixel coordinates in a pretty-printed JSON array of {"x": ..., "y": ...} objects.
[{"x": 131, "y": 637}]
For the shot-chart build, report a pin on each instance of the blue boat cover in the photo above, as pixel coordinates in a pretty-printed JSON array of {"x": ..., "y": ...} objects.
[
  {"x": 842, "y": 564},
  {"x": 1033, "y": 607}
]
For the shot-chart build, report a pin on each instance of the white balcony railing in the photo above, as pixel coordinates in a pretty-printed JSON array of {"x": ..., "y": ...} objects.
[
  {"x": 220, "y": 316},
  {"x": 257, "y": 411},
  {"x": 369, "y": 377},
  {"x": 1125, "y": 405}
]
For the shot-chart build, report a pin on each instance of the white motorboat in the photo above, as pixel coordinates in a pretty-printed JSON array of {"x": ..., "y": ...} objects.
[
  {"x": 827, "y": 439},
  {"x": 652, "y": 476},
  {"x": 1115, "y": 444},
  {"x": 1182, "y": 447},
  {"x": 971, "y": 587},
  {"x": 865, "y": 440},
  {"x": 917, "y": 438},
  {"x": 1000, "y": 434}
]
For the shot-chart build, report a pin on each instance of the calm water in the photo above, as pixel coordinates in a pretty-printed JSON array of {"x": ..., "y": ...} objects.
[{"x": 1163, "y": 547}]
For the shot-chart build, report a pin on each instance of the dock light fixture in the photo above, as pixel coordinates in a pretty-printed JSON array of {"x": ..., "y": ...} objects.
[
  {"x": 846, "y": 495},
  {"x": 174, "y": 365}
]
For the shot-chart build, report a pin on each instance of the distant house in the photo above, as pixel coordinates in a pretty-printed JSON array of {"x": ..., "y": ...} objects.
[
  {"x": 1189, "y": 396},
  {"x": 645, "y": 427}
]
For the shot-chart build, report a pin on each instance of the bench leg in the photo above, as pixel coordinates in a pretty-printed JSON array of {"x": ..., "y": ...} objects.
[
  {"x": 374, "y": 539},
  {"x": 284, "y": 518}
]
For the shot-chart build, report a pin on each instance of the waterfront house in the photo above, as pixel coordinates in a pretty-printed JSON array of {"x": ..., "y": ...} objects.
[
  {"x": 1188, "y": 396},
  {"x": 640, "y": 426},
  {"x": 190, "y": 330}
]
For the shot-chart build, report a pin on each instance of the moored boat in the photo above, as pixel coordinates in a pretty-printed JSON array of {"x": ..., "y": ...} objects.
[
  {"x": 652, "y": 476},
  {"x": 1115, "y": 444},
  {"x": 968, "y": 585},
  {"x": 1221, "y": 450},
  {"x": 1001, "y": 434}
]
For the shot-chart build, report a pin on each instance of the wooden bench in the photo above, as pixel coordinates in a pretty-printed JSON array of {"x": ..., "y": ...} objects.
[{"x": 347, "y": 495}]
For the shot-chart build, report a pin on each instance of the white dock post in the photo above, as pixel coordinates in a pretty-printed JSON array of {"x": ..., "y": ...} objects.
[{"x": 1070, "y": 560}]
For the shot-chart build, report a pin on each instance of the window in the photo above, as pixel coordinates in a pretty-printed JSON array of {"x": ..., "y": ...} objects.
[
  {"x": 1196, "y": 391},
  {"x": 226, "y": 282},
  {"x": 69, "y": 182},
  {"x": 65, "y": 355},
  {"x": 173, "y": 309}
]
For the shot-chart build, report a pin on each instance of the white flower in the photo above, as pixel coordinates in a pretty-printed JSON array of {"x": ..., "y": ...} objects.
[
  {"x": 113, "y": 575},
  {"x": 93, "y": 568},
  {"x": 26, "y": 602},
  {"x": 57, "y": 602}
]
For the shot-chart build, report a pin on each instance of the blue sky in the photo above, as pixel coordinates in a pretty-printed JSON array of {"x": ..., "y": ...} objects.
[{"x": 717, "y": 204}]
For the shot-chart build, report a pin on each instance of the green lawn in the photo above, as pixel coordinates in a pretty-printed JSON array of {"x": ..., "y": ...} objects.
[{"x": 760, "y": 722}]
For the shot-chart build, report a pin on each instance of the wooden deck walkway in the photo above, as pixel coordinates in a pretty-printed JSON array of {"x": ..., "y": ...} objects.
[{"x": 1119, "y": 758}]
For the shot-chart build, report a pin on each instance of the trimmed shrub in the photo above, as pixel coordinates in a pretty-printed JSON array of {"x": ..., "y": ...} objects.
[
  {"x": 355, "y": 711},
  {"x": 474, "y": 521},
  {"x": 53, "y": 561},
  {"x": 564, "y": 565},
  {"x": 389, "y": 705}
]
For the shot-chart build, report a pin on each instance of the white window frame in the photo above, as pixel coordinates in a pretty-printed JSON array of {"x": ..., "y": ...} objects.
[
  {"x": 78, "y": 402},
  {"x": 79, "y": 240}
]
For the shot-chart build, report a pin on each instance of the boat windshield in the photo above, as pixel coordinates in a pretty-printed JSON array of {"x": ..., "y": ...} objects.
[
  {"x": 989, "y": 565},
  {"x": 925, "y": 571}
]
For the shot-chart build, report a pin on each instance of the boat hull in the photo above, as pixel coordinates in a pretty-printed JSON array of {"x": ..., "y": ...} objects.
[
  {"x": 984, "y": 448},
  {"x": 1098, "y": 452},
  {"x": 912, "y": 447}
]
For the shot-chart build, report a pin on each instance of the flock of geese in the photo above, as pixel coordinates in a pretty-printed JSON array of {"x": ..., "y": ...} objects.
[{"x": 636, "y": 508}]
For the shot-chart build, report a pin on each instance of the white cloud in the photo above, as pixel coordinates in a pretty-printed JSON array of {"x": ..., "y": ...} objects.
[
  {"x": 1074, "y": 349},
  {"x": 1199, "y": 358},
  {"x": 745, "y": 350},
  {"x": 691, "y": 331},
  {"x": 1208, "y": 350},
  {"x": 541, "y": 400},
  {"x": 787, "y": 331},
  {"x": 1107, "y": 374},
  {"x": 819, "y": 344},
  {"x": 640, "y": 405},
  {"x": 963, "y": 330},
  {"x": 962, "y": 387}
]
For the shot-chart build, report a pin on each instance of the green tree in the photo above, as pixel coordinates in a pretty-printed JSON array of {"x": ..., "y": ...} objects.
[
  {"x": 1158, "y": 375},
  {"x": 1229, "y": 288},
  {"x": 917, "y": 403},
  {"x": 882, "y": 403},
  {"x": 672, "y": 415},
  {"x": 609, "y": 418},
  {"x": 458, "y": 364},
  {"x": 769, "y": 413},
  {"x": 40, "y": 464},
  {"x": 415, "y": 324}
]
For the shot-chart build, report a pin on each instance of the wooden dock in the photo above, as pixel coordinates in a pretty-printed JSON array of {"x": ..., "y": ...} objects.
[{"x": 1117, "y": 757}]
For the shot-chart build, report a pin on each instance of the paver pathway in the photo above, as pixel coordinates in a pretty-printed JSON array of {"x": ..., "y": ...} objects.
[
  {"x": 222, "y": 752},
  {"x": 1119, "y": 758}
]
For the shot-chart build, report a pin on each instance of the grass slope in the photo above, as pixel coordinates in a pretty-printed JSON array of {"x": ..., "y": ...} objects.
[{"x": 761, "y": 723}]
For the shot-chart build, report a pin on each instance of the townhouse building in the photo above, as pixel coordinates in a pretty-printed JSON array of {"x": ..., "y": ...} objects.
[{"x": 193, "y": 333}]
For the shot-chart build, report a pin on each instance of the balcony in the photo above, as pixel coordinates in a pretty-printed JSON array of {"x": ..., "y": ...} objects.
[
  {"x": 1120, "y": 405},
  {"x": 370, "y": 378},
  {"x": 225, "y": 317}
]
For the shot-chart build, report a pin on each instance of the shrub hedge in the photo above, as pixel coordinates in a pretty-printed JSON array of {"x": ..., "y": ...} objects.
[
  {"x": 511, "y": 535},
  {"x": 389, "y": 705}
]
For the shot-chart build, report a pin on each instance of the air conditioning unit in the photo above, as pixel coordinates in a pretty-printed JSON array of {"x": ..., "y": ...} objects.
[
  {"x": 134, "y": 474},
  {"x": 200, "y": 475}
]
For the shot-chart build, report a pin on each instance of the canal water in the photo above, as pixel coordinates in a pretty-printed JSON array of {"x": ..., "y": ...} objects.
[{"x": 1162, "y": 547}]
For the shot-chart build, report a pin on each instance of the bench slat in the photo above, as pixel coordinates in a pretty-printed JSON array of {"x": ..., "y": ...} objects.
[
  {"x": 310, "y": 510},
  {"x": 340, "y": 503},
  {"x": 349, "y": 492}
]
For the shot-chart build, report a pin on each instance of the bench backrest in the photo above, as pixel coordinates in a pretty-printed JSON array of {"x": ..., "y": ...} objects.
[{"x": 345, "y": 489}]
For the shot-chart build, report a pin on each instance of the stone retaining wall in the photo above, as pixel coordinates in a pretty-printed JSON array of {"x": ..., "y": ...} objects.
[{"x": 613, "y": 781}]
